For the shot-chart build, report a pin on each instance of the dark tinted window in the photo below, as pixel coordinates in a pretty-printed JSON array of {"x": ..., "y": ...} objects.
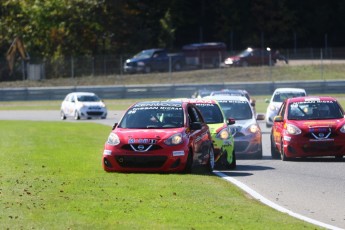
[
  {"x": 240, "y": 110},
  {"x": 211, "y": 113},
  {"x": 153, "y": 117},
  {"x": 314, "y": 110}
]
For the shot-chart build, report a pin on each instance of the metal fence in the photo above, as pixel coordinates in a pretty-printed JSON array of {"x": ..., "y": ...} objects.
[
  {"x": 164, "y": 91},
  {"x": 74, "y": 67}
]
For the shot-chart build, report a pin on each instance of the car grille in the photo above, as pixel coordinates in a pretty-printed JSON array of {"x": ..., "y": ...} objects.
[
  {"x": 241, "y": 145},
  {"x": 141, "y": 161},
  {"x": 238, "y": 135},
  {"x": 94, "y": 113},
  {"x": 140, "y": 147},
  {"x": 320, "y": 133},
  {"x": 132, "y": 64}
]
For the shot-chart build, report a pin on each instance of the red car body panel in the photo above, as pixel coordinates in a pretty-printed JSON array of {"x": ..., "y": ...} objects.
[
  {"x": 318, "y": 137},
  {"x": 145, "y": 149}
]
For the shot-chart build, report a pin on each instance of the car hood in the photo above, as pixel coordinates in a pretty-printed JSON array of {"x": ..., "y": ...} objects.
[
  {"x": 234, "y": 58},
  {"x": 136, "y": 59},
  {"x": 92, "y": 103},
  {"x": 308, "y": 124},
  {"x": 215, "y": 128},
  {"x": 244, "y": 123},
  {"x": 275, "y": 104},
  {"x": 142, "y": 136}
]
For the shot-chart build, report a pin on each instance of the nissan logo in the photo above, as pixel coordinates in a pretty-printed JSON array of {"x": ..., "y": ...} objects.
[{"x": 141, "y": 147}]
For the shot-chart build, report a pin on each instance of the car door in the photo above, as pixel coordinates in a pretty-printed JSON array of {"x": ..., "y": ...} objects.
[
  {"x": 71, "y": 105},
  {"x": 278, "y": 127},
  {"x": 160, "y": 61},
  {"x": 200, "y": 138}
]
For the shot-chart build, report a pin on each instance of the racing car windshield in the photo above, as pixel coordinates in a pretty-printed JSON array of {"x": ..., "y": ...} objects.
[
  {"x": 160, "y": 117},
  {"x": 211, "y": 113},
  {"x": 239, "y": 110},
  {"x": 281, "y": 96},
  {"x": 314, "y": 110},
  {"x": 88, "y": 98}
]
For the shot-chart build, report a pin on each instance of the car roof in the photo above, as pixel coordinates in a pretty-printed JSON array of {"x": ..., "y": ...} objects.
[
  {"x": 289, "y": 90},
  {"x": 83, "y": 93},
  {"x": 229, "y": 98},
  {"x": 228, "y": 91},
  {"x": 195, "y": 100},
  {"x": 159, "y": 103},
  {"x": 311, "y": 98}
]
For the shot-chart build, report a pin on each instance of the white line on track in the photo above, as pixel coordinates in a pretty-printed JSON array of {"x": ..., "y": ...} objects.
[{"x": 271, "y": 204}]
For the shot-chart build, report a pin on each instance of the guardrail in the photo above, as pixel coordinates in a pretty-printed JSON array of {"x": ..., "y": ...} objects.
[{"x": 165, "y": 90}]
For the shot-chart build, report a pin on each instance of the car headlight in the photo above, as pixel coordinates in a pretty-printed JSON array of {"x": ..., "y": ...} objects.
[
  {"x": 228, "y": 61},
  {"x": 223, "y": 134},
  {"x": 140, "y": 63},
  {"x": 254, "y": 128},
  {"x": 175, "y": 139},
  {"x": 113, "y": 139},
  {"x": 272, "y": 108},
  {"x": 292, "y": 129},
  {"x": 80, "y": 105},
  {"x": 342, "y": 129}
]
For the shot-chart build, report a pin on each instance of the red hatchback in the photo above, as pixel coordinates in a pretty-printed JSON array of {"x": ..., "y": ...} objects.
[
  {"x": 159, "y": 137},
  {"x": 310, "y": 126}
]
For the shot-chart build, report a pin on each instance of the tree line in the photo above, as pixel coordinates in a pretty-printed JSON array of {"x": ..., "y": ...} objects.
[{"x": 64, "y": 28}]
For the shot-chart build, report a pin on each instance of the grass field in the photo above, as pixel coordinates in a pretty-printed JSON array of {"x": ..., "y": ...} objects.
[
  {"x": 51, "y": 175},
  {"x": 51, "y": 178}
]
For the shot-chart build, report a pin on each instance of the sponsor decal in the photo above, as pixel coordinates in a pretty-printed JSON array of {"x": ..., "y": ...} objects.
[
  {"x": 178, "y": 153},
  {"x": 141, "y": 141}
]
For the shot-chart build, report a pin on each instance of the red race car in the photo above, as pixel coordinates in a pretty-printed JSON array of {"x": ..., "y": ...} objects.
[
  {"x": 310, "y": 126},
  {"x": 159, "y": 136}
]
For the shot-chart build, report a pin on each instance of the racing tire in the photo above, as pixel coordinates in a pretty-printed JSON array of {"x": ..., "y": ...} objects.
[
  {"x": 147, "y": 69},
  {"x": 338, "y": 158},
  {"x": 244, "y": 64},
  {"x": 258, "y": 154},
  {"x": 233, "y": 164},
  {"x": 282, "y": 153},
  {"x": 274, "y": 151},
  {"x": 76, "y": 115},
  {"x": 62, "y": 115},
  {"x": 189, "y": 163},
  {"x": 211, "y": 161}
]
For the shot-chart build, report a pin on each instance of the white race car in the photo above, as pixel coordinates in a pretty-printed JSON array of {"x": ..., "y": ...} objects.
[
  {"x": 83, "y": 105},
  {"x": 277, "y": 99}
]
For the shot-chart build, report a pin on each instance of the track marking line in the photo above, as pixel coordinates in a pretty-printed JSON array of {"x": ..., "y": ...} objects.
[{"x": 269, "y": 203}]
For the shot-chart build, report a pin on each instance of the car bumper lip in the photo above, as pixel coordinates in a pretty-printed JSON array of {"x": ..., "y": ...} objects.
[
  {"x": 248, "y": 145},
  {"x": 160, "y": 161},
  {"x": 305, "y": 148},
  {"x": 130, "y": 69}
]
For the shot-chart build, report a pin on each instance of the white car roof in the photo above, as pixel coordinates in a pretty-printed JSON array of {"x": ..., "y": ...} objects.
[
  {"x": 83, "y": 93},
  {"x": 228, "y": 97},
  {"x": 289, "y": 90}
]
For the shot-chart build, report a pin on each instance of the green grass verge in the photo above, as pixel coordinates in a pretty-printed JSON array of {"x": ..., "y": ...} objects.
[{"x": 51, "y": 178}]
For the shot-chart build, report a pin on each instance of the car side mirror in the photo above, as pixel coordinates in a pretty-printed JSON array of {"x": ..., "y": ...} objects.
[
  {"x": 278, "y": 119},
  {"x": 195, "y": 126},
  {"x": 267, "y": 100},
  {"x": 114, "y": 126},
  {"x": 231, "y": 121},
  {"x": 260, "y": 116},
  {"x": 252, "y": 103}
]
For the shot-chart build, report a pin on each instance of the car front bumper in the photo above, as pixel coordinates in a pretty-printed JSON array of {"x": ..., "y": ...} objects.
[
  {"x": 123, "y": 159},
  {"x": 295, "y": 146},
  {"x": 248, "y": 145}
]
